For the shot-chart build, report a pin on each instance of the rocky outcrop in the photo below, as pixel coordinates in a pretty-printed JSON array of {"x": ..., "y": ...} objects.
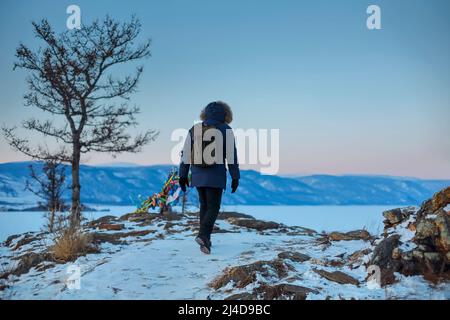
[{"x": 426, "y": 251}]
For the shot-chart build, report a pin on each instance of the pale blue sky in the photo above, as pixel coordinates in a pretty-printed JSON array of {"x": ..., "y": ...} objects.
[{"x": 346, "y": 99}]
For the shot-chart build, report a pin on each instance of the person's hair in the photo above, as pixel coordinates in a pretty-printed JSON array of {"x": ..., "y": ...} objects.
[{"x": 226, "y": 107}]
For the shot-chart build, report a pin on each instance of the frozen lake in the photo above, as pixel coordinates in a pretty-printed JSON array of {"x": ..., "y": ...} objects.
[{"x": 319, "y": 218}]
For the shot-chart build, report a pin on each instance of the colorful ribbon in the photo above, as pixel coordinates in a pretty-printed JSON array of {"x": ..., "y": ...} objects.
[{"x": 168, "y": 195}]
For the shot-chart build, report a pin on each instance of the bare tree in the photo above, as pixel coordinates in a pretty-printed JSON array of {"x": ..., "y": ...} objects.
[
  {"x": 49, "y": 186},
  {"x": 71, "y": 78}
]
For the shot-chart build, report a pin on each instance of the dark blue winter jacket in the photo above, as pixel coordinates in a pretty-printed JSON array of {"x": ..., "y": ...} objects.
[{"x": 214, "y": 176}]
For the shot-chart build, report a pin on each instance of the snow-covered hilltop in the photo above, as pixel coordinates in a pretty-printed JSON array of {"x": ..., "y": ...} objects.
[
  {"x": 146, "y": 256},
  {"x": 121, "y": 185}
]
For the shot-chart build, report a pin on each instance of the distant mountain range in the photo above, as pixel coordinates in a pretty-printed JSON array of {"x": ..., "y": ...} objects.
[{"x": 121, "y": 185}]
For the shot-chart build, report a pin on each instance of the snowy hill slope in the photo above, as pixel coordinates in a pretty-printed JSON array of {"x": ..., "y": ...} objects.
[
  {"x": 155, "y": 257},
  {"x": 121, "y": 186}
]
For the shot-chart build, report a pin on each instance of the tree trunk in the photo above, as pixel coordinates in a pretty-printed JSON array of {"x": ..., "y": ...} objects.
[
  {"x": 52, "y": 220},
  {"x": 76, "y": 203}
]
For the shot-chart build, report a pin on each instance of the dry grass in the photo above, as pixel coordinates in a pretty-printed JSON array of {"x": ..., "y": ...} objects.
[{"x": 71, "y": 244}]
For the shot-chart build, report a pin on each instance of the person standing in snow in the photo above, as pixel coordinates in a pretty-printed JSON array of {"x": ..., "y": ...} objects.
[{"x": 208, "y": 171}]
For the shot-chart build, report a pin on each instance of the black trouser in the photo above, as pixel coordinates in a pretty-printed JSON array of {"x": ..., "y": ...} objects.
[{"x": 209, "y": 199}]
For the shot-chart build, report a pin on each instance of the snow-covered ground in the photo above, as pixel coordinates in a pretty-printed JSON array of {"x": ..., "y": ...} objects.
[{"x": 167, "y": 264}]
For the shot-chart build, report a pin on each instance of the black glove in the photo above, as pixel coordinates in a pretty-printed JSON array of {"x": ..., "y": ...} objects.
[
  {"x": 184, "y": 182},
  {"x": 234, "y": 185}
]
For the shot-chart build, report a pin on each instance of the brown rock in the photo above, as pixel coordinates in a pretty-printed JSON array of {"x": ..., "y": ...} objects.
[
  {"x": 442, "y": 222},
  {"x": 138, "y": 217},
  {"x": 241, "y": 296},
  {"x": 115, "y": 238},
  {"x": 172, "y": 216},
  {"x": 299, "y": 231},
  {"x": 284, "y": 292},
  {"x": 412, "y": 226},
  {"x": 168, "y": 225},
  {"x": 259, "y": 225},
  {"x": 294, "y": 256},
  {"x": 337, "y": 276},
  {"x": 102, "y": 220},
  {"x": 10, "y": 239},
  {"x": 387, "y": 277},
  {"x": 246, "y": 274},
  {"x": 356, "y": 256},
  {"x": 216, "y": 229},
  {"x": 396, "y": 254},
  {"x": 393, "y": 216},
  {"x": 44, "y": 266},
  {"x": 434, "y": 259},
  {"x": 352, "y": 235},
  {"x": 30, "y": 260},
  {"x": 111, "y": 227},
  {"x": 27, "y": 239},
  {"x": 425, "y": 229},
  {"x": 439, "y": 201},
  {"x": 382, "y": 253},
  {"x": 237, "y": 215}
]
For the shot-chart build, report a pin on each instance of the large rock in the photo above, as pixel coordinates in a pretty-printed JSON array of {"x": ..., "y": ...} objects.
[
  {"x": 294, "y": 256},
  {"x": 102, "y": 221},
  {"x": 281, "y": 291},
  {"x": 395, "y": 216},
  {"x": 337, "y": 276},
  {"x": 258, "y": 225},
  {"x": 284, "y": 291},
  {"x": 27, "y": 239},
  {"x": 116, "y": 237},
  {"x": 433, "y": 231},
  {"x": 439, "y": 201},
  {"x": 351, "y": 235},
  {"x": 442, "y": 222},
  {"x": 172, "y": 216},
  {"x": 26, "y": 262},
  {"x": 241, "y": 296},
  {"x": 241, "y": 276},
  {"x": 227, "y": 215},
  {"x": 383, "y": 253},
  {"x": 111, "y": 226},
  {"x": 386, "y": 256}
]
